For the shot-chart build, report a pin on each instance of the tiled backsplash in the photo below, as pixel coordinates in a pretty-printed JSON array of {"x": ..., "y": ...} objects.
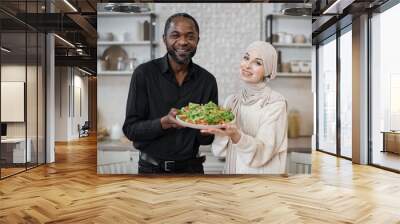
[{"x": 225, "y": 31}]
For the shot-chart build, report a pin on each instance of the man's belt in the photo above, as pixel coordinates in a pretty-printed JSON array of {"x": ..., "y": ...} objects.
[{"x": 171, "y": 165}]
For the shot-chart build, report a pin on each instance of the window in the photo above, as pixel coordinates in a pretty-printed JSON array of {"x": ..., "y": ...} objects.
[
  {"x": 385, "y": 89},
  {"x": 346, "y": 94},
  {"x": 22, "y": 101},
  {"x": 327, "y": 97}
]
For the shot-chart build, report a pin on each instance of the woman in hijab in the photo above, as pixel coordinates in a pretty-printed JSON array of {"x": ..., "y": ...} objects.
[{"x": 257, "y": 143}]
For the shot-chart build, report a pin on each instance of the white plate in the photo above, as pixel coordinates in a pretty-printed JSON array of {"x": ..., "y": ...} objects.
[{"x": 200, "y": 126}]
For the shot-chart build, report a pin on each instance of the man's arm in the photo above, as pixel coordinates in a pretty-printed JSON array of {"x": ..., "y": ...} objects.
[
  {"x": 207, "y": 139},
  {"x": 136, "y": 126}
]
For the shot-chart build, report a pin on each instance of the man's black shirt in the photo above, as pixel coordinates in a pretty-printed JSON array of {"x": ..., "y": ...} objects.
[{"x": 153, "y": 92}]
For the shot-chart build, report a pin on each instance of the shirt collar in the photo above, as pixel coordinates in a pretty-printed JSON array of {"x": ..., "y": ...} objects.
[{"x": 165, "y": 68}]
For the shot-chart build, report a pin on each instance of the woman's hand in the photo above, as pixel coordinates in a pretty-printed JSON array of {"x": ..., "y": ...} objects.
[{"x": 227, "y": 130}]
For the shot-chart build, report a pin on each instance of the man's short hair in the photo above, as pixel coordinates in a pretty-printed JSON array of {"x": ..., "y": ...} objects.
[{"x": 185, "y": 15}]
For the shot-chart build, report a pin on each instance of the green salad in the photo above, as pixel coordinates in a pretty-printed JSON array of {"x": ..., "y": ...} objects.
[{"x": 207, "y": 114}]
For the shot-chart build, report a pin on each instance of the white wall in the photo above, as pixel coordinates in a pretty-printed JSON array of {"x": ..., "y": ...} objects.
[
  {"x": 17, "y": 73},
  {"x": 33, "y": 126},
  {"x": 61, "y": 103},
  {"x": 112, "y": 94},
  {"x": 67, "y": 83}
]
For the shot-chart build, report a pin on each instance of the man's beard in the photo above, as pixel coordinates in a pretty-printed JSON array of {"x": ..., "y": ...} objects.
[{"x": 178, "y": 60}]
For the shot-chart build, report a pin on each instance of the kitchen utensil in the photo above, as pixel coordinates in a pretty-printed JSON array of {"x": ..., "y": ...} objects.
[
  {"x": 299, "y": 39},
  {"x": 146, "y": 30},
  {"x": 115, "y": 132},
  {"x": 279, "y": 68},
  {"x": 121, "y": 65},
  {"x": 138, "y": 31},
  {"x": 288, "y": 38},
  {"x": 119, "y": 37},
  {"x": 285, "y": 67},
  {"x": 111, "y": 56},
  {"x": 295, "y": 66},
  {"x": 305, "y": 66},
  {"x": 275, "y": 38},
  {"x": 281, "y": 37},
  {"x": 294, "y": 124},
  {"x": 131, "y": 64},
  {"x": 106, "y": 36}
]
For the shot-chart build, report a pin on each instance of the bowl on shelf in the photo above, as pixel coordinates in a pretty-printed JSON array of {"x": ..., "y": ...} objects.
[
  {"x": 115, "y": 57},
  {"x": 305, "y": 66},
  {"x": 280, "y": 37},
  {"x": 285, "y": 38},
  {"x": 288, "y": 38},
  {"x": 295, "y": 66},
  {"x": 106, "y": 36},
  {"x": 299, "y": 39}
]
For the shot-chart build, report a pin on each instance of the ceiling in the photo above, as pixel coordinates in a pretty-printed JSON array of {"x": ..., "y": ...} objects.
[
  {"x": 76, "y": 24},
  {"x": 328, "y": 16}
]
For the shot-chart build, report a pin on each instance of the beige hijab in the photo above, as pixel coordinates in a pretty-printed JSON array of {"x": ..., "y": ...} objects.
[{"x": 252, "y": 93}]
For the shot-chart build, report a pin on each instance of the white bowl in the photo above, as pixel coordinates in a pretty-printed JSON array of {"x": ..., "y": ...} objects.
[{"x": 106, "y": 36}]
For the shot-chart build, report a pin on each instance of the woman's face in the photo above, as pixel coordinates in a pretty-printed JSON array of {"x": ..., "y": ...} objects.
[{"x": 252, "y": 68}]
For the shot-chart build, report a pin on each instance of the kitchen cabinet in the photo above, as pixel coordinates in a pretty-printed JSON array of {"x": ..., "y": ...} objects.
[{"x": 116, "y": 157}]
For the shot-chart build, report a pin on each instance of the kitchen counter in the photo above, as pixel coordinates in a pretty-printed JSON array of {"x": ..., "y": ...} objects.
[
  {"x": 115, "y": 145},
  {"x": 116, "y": 157}
]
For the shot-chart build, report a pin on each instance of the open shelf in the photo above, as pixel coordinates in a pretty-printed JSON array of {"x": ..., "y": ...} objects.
[
  {"x": 124, "y": 14},
  {"x": 290, "y": 17},
  {"x": 116, "y": 73},
  {"x": 305, "y": 45},
  {"x": 125, "y": 43},
  {"x": 293, "y": 75}
]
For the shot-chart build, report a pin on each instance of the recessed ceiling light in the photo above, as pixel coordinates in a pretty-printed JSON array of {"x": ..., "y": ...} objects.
[
  {"x": 338, "y": 6},
  {"x": 70, "y": 5},
  {"x": 65, "y": 41},
  {"x": 84, "y": 71}
]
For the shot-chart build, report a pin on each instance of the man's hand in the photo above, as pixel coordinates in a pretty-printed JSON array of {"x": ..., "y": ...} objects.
[{"x": 169, "y": 121}]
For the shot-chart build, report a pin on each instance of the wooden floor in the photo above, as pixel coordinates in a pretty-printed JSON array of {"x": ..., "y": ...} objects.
[
  {"x": 387, "y": 159},
  {"x": 70, "y": 191},
  {"x": 10, "y": 171}
]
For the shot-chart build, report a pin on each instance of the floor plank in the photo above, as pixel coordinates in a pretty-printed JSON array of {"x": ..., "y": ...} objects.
[{"x": 70, "y": 191}]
